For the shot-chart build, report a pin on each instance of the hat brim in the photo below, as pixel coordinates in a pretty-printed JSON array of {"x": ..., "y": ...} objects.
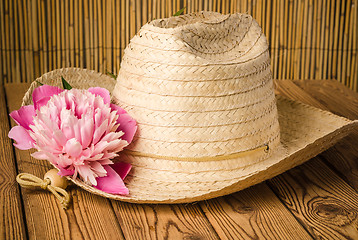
[{"x": 306, "y": 131}]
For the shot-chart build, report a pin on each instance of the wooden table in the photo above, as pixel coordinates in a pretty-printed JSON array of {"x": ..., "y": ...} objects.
[{"x": 315, "y": 200}]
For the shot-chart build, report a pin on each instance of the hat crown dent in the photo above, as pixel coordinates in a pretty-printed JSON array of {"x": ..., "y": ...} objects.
[{"x": 199, "y": 85}]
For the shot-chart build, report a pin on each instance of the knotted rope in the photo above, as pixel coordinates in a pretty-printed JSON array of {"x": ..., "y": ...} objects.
[{"x": 27, "y": 180}]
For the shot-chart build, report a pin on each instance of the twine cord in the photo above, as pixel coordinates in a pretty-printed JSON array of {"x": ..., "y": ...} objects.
[
  {"x": 264, "y": 148},
  {"x": 27, "y": 180}
]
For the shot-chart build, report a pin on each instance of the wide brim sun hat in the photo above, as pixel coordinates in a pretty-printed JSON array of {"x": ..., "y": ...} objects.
[{"x": 209, "y": 124}]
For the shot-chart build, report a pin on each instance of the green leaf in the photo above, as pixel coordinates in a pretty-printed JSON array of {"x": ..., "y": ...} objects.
[
  {"x": 179, "y": 12},
  {"x": 112, "y": 75},
  {"x": 39, "y": 82},
  {"x": 65, "y": 84}
]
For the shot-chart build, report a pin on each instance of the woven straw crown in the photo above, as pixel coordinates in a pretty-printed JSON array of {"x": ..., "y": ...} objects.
[{"x": 199, "y": 85}]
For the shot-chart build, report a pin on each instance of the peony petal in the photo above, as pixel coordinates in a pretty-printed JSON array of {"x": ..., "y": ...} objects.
[
  {"x": 102, "y": 92},
  {"x": 112, "y": 183},
  {"x": 24, "y": 116},
  {"x": 73, "y": 148},
  {"x": 42, "y": 94},
  {"x": 122, "y": 168},
  {"x": 40, "y": 155},
  {"x": 126, "y": 123},
  {"x": 87, "y": 132},
  {"x": 65, "y": 172},
  {"x": 99, "y": 131},
  {"x": 22, "y": 138},
  {"x": 87, "y": 174}
]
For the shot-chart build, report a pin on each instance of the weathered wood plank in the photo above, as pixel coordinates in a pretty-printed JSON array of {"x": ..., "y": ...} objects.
[
  {"x": 254, "y": 213},
  {"x": 149, "y": 221},
  {"x": 333, "y": 95},
  {"x": 343, "y": 156},
  {"x": 12, "y": 219},
  {"x": 322, "y": 201},
  {"x": 319, "y": 198},
  {"x": 89, "y": 216}
]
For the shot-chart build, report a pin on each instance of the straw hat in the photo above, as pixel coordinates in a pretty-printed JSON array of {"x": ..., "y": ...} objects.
[{"x": 209, "y": 123}]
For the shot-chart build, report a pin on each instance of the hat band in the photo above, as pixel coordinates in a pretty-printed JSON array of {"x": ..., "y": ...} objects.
[{"x": 265, "y": 148}]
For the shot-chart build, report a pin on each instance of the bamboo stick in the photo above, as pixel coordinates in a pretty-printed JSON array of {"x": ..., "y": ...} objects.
[
  {"x": 145, "y": 12},
  {"x": 128, "y": 22},
  {"x": 71, "y": 34},
  {"x": 76, "y": 29},
  {"x": 123, "y": 24},
  {"x": 21, "y": 42},
  {"x": 308, "y": 48},
  {"x": 344, "y": 72},
  {"x": 53, "y": 51},
  {"x": 268, "y": 20},
  {"x": 154, "y": 16},
  {"x": 100, "y": 36},
  {"x": 13, "y": 42},
  {"x": 41, "y": 38},
  {"x": 9, "y": 40},
  {"x": 63, "y": 34},
  {"x": 132, "y": 19},
  {"x": 30, "y": 63},
  {"x": 341, "y": 43},
  {"x": 275, "y": 33},
  {"x": 320, "y": 40},
  {"x": 48, "y": 25},
  {"x": 314, "y": 38},
  {"x": 326, "y": 40},
  {"x": 96, "y": 47},
  {"x": 331, "y": 38},
  {"x": 92, "y": 35},
  {"x": 290, "y": 28},
  {"x": 150, "y": 10},
  {"x": 116, "y": 38},
  {"x": 4, "y": 76},
  {"x": 2, "y": 45},
  {"x": 285, "y": 42},
  {"x": 87, "y": 34},
  {"x": 305, "y": 35},
  {"x": 58, "y": 35},
  {"x": 80, "y": 32},
  {"x": 66, "y": 33},
  {"x": 109, "y": 36},
  {"x": 138, "y": 11},
  {"x": 354, "y": 64},
  {"x": 335, "y": 43},
  {"x": 161, "y": 6},
  {"x": 104, "y": 37},
  {"x": 35, "y": 43},
  {"x": 350, "y": 45},
  {"x": 281, "y": 38}
]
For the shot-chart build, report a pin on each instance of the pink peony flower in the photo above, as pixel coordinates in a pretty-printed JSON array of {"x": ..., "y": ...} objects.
[{"x": 79, "y": 131}]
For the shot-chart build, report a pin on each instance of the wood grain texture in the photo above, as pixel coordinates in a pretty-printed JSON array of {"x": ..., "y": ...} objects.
[
  {"x": 326, "y": 91},
  {"x": 89, "y": 216},
  {"x": 12, "y": 220},
  {"x": 150, "y": 221},
  {"x": 320, "y": 200},
  {"x": 254, "y": 213}
]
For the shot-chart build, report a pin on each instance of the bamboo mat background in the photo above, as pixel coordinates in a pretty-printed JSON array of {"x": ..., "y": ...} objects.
[{"x": 309, "y": 39}]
